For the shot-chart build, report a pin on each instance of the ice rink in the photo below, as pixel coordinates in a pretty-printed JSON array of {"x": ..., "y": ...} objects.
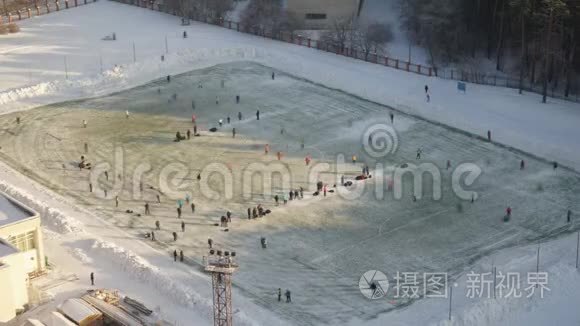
[{"x": 317, "y": 247}]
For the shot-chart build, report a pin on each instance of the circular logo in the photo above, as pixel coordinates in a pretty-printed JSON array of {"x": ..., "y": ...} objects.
[
  {"x": 373, "y": 284},
  {"x": 380, "y": 140}
]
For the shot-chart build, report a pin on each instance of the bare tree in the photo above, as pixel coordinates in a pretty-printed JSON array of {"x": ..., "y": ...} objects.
[
  {"x": 342, "y": 33},
  {"x": 371, "y": 38}
]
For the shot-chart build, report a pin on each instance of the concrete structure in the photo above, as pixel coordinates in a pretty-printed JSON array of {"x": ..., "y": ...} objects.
[
  {"x": 321, "y": 14},
  {"x": 21, "y": 254}
]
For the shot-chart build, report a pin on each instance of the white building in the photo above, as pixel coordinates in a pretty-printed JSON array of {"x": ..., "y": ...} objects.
[
  {"x": 21, "y": 255},
  {"x": 321, "y": 14}
]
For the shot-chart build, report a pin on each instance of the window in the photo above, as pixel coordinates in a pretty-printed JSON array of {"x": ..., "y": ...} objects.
[
  {"x": 23, "y": 241},
  {"x": 315, "y": 16}
]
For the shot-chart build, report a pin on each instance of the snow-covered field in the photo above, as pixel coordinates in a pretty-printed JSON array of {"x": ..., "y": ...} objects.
[{"x": 320, "y": 259}]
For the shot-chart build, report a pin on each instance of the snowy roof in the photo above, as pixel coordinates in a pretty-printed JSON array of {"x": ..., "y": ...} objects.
[
  {"x": 78, "y": 310},
  {"x": 11, "y": 211},
  {"x": 6, "y": 249}
]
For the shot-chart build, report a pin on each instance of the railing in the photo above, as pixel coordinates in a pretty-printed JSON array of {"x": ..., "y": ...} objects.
[
  {"x": 41, "y": 8},
  {"x": 509, "y": 82}
]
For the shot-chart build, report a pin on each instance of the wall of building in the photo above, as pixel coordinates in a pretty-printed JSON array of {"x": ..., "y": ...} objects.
[
  {"x": 13, "y": 282},
  {"x": 27, "y": 227},
  {"x": 322, "y": 13}
]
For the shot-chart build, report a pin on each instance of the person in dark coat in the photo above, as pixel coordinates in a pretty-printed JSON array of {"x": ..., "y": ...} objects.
[
  {"x": 192, "y": 208},
  {"x": 258, "y": 115},
  {"x": 210, "y": 243},
  {"x": 288, "y": 296},
  {"x": 178, "y": 212},
  {"x": 181, "y": 256},
  {"x": 249, "y": 213},
  {"x": 239, "y": 115},
  {"x": 92, "y": 278},
  {"x": 157, "y": 225},
  {"x": 147, "y": 211},
  {"x": 569, "y": 216},
  {"x": 174, "y": 255},
  {"x": 279, "y": 294},
  {"x": 182, "y": 226},
  {"x": 174, "y": 236}
]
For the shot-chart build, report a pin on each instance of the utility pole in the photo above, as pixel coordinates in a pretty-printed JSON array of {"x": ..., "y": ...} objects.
[{"x": 65, "y": 68}]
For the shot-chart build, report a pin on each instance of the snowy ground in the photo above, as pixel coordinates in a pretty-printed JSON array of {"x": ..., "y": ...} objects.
[{"x": 37, "y": 55}]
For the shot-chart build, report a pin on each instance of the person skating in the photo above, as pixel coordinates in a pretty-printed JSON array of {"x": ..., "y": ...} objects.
[
  {"x": 192, "y": 208},
  {"x": 188, "y": 133},
  {"x": 147, "y": 211},
  {"x": 276, "y": 199},
  {"x": 107, "y": 175},
  {"x": 210, "y": 243},
  {"x": 217, "y": 100},
  {"x": 234, "y": 133},
  {"x": 126, "y": 114},
  {"x": 273, "y": 75},
  {"x": 307, "y": 160},
  {"x": 187, "y": 199},
  {"x": 195, "y": 130},
  {"x": 178, "y": 212},
  {"x": 288, "y": 296},
  {"x": 419, "y": 152},
  {"x": 354, "y": 159},
  {"x": 174, "y": 236},
  {"x": 508, "y": 212},
  {"x": 426, "y": 89},
  {"x": 168, "y": 78},
  {"x": 284, "y": 199},
  {"x": 254, "y": 212},
  {"x": 301, "y": 192},
  {"x": 489, "y": 136},
  {"x": 92, "y": 278},
  {"x": 152, "y": 236},
  {"x": 266, "y": 149},
  {"x": 157, "y": 225},
  {"x": 522, "y": 164},
  {"x": 264, "y": 242},
  {"x": 295, "y": 194},
  {"x": 237, "y": 99},
  {"x": 279, "y": 294},
  {"x": 220, "y": 122},
  {"x": 228, "y": 119},
  {"x": 158, "y": 199},
  {"x": 181, "y": 256},
  {"x": 182, "y": 226},
  {"x": 240, "y": 116},
  {"x": 117, "y": 201},
  {"x": 258, "y": 115},
  {"x": 175, "y": 255},
  {"x": 229, "y": 216},
  {"x": 392, "y": 116},
  {"x": 569, "y": 216},
  {"x": 249, "y": 213},
  {"x": 90, "y": 187},
  {"x": 291, "y": 195},
  {"x": 342, "y": 180},
  {"x": 555, "y": 164},
  {"x": 448, "y": 164},
  {"x": 324, "y": 190}
]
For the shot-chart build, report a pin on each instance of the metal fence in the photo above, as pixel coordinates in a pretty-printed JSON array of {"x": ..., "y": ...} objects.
[
  {"x": 509, "y": 82},
  {"x": 42, "y": 8}
]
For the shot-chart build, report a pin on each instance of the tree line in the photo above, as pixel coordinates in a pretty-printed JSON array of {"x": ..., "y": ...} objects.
[{"x": 541, "y": 35}]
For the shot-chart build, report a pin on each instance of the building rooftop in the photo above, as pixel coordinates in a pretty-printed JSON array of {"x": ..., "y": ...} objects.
[
  {"x": 11, "y": 211},
  {"x": 6, "y": 249}
]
